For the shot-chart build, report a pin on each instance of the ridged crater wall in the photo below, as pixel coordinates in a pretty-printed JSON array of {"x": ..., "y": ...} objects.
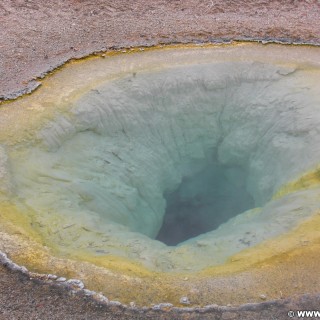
[{"x": 87, "y": 160}]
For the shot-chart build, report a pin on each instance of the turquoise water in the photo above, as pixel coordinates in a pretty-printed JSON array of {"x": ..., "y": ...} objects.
[{"x": 203, "y": 202}]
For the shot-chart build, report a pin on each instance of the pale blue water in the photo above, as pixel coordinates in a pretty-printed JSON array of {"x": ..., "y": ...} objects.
[{"x": 204, "y": 201}]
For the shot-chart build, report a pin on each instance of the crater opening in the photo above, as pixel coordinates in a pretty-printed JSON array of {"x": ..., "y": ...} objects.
[
  {"x": 172, "y": 166},
  {"x": 203, "y": 202}
]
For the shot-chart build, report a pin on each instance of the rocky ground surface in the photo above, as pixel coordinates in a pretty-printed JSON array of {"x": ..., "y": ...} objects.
[
  {"x": 37, "y": 36},
  {"x": 22, "y": 298}
]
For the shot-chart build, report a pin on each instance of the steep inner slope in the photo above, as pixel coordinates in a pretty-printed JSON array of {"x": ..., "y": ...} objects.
[{"x": 218, "y": 139}]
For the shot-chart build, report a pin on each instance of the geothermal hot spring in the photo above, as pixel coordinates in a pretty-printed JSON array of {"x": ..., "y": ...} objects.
[{"x": 172, "y": 172}]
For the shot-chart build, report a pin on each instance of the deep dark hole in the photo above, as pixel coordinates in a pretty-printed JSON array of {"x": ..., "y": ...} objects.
[{"x": 203, "y": 202}]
